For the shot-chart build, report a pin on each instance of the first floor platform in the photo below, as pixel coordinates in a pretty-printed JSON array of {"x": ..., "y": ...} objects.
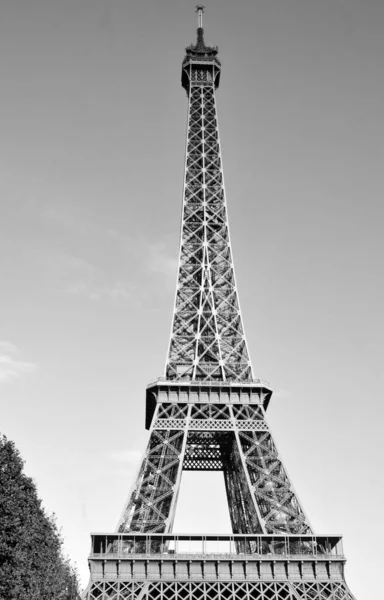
[{"x": 210, "y": 567}]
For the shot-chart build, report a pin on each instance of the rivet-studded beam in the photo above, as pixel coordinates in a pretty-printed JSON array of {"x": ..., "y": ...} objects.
[
  {"x": 111, "y": 589},
  {"x": 207, "y": 340}
]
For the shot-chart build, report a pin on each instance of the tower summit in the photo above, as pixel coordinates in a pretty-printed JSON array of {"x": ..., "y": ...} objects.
[{"x": 207, "y": 413}]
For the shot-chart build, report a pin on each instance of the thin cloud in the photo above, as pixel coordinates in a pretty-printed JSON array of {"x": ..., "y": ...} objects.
[
  {"x": 71, "y": 263},
  {"x": 117, "y": 291},
  {"x": 11, "y": 367},
  {"x": 158, "y": 260},
  {"x": 153, "y": 257},
  {"x": 8, "y": 348},
  {"x": 80, "y": 225},
  {"x": 79, "y": 277}
]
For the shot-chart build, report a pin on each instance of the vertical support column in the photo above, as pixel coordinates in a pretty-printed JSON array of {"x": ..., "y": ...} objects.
[
  {"x": 176, "y": 489},
  {"x": 152, "y": 496},
  {"x": 124, "y": 515},
  {"x": 243, "y": 474}
]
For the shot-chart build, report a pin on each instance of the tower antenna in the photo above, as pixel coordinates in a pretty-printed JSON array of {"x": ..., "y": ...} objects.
[{"x": 199, "y": 11}]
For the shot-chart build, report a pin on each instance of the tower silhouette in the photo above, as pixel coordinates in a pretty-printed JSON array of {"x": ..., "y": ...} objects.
[{"x": 208, "y": 414}]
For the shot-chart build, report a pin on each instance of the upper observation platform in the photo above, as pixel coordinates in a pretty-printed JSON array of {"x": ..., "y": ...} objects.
[{"x": 200, "y": 64}]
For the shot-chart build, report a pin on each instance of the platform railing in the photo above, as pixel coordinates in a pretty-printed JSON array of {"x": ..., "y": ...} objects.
[
  {"x": 210, "y": 382},
  {"x": 234, "y": 546}
]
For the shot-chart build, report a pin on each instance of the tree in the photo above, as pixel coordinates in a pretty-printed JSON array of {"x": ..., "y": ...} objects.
[{"x": 32, "y": 565}]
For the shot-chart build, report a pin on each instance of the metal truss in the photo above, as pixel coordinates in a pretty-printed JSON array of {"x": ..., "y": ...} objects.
[
  {"x": 234, "y": 439},
  {"x": 207, "y": 339},
  {"x": 208, "y": 413},
  {"x": 229, "y": 590}
]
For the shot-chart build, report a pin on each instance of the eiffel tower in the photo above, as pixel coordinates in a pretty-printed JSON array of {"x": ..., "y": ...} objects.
[{"x": 208, "y": 414}]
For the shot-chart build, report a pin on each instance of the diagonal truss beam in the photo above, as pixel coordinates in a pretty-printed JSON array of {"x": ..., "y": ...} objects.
[{"x": 207, "y": 339}]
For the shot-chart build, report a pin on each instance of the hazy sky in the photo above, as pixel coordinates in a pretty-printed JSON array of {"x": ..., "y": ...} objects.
[{"x": 92, "y": 143}]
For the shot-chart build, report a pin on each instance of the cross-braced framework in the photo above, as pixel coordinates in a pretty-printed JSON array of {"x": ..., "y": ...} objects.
[
  {"x": 207, "y": 339},
  {"x": 162, "y": 590},
  {"x": 234, "y": 439},
  {"x": 208, "y": 414}
]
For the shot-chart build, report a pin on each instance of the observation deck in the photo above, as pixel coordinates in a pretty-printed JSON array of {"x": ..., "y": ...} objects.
[
  {"x": 169, "y": 557},
  {"x": 215, "y": 391}
]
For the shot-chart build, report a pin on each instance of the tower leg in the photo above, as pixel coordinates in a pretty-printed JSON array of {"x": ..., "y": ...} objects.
[
  {"x": 152, "y": 501},
  {"x": 244, "y": 517}
]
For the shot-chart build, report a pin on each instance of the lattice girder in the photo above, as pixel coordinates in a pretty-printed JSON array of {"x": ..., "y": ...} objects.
[
  {"x": 217, "y": 590},
  {"x": 207, "y": 339},
  {"x": 233, "y": 438},
  {"x": 150, "y": 501}
]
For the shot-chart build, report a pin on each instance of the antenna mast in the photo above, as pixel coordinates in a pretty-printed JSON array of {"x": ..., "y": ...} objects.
[{"x": 199, "y": 11}]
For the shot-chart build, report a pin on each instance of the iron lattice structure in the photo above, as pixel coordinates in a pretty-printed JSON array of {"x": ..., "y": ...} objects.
[
  {"x": 207, "y": 339},
  {"x": 208, "y": 414},
  {"x": 201, "y": 435}
]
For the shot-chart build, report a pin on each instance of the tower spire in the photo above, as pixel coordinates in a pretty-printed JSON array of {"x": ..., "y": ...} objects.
[
  {"x": 200, "y": 50},
  {"x": 199, "y": 11}
]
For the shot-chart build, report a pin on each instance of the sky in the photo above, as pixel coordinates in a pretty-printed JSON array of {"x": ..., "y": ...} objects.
[{"x": 93, "y": 122}]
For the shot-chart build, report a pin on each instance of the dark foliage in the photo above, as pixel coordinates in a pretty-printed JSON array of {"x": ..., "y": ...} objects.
[{"x": 32, "y": 566}]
